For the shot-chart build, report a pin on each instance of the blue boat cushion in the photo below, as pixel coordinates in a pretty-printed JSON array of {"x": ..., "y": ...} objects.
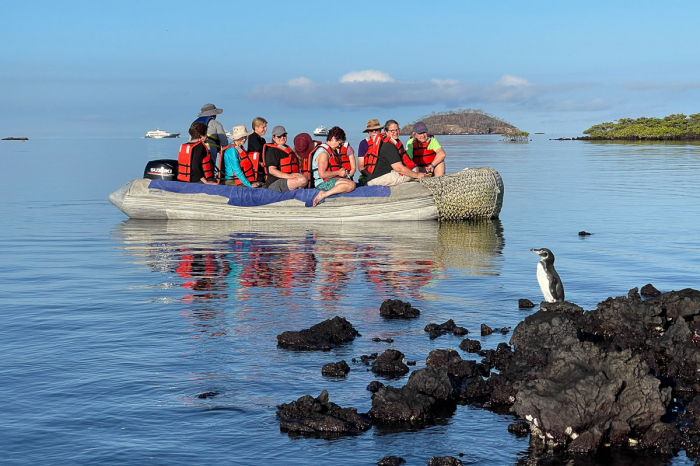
[{"x": 242, "y": 196}]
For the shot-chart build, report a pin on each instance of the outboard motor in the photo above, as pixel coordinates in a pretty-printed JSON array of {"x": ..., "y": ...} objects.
[{"x": 164, "y": 169}]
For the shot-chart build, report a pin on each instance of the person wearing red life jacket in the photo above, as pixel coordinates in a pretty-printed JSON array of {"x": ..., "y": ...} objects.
[
  {"x": 304, "y": 146},
  {"x": 194, "y": 161},
  {"x": 256, "y": 141},
  {"x": 389, "y": 168},
  {"x": 281, "y": 164},
  {"x": 373, "y": 133},
  {"x": 425, "y": 151},
  {"x": 344, "y": 157},
  {"x": 328, "y": 181},
  {"x": 236, "y": 166}
]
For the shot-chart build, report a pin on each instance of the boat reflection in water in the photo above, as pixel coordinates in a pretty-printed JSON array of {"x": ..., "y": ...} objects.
[{"x": 215, "y": 259}]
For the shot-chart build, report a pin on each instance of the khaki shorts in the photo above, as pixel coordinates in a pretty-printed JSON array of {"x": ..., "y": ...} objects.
[{"x": 393, "y": 178}]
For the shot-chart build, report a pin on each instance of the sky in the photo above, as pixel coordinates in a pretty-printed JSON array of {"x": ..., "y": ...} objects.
[{"x": 104, "y": 68}]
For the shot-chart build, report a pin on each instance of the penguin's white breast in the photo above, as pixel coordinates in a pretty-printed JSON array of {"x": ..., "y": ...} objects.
[{"x": 543, "y": 280}]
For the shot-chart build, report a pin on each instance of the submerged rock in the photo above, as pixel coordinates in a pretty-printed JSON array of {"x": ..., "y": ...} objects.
[
  {"x": 322, "y": 336},
  {"x": 391, "y": 363},
  {"x": 205, "y": 395},
  {"x": 335, "y": 369},
  {"x": 318, "y": 416},
  {"x": 395, "y": 308},
  {"x": 444, "y": 461},
  {"x": 436, "y": 330}
]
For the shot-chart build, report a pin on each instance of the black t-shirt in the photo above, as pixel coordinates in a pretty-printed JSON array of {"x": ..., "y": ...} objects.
[
  {"x": 273, "y": 156},
  {"x": 255, "y": 144},
  {"x": 388, "y": 155},
  {"x": 198, "y": 154}
]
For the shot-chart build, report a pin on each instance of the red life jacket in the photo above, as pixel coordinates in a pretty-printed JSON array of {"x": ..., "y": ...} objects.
[
  {"x": 372, "y": 153},
  {"x": 340, "y": 159},
  {"x": 249, "y": 165},
  {"x": 405, "y": 159},
  {"x": 184, "y": 160},
  {"x": 331, "y": 156},
  {"x": 305, "y": 165},
  {"x": 288, "y": 164},
  {"x": 421, "y": 155}
]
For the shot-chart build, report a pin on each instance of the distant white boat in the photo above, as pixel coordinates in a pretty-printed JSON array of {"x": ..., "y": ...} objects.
[
  {"x": 160, "y": 134},
  {"x": 321, "y": 131}
]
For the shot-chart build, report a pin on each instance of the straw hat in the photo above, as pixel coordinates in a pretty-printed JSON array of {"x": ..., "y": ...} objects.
[{"x": 372, "y": 125}]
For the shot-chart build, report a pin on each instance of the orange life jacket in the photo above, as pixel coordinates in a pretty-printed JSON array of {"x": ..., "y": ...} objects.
[
  {"x": 372, "y": 152},
  {"x": 249, "y": 165},
  {"x": 184, "y": 160},
  {"x": 405, "y": 159},
  {"x": 288, "y": 164},
  {"x": 331, "y": 156},
  {"x": 421, "y": 155},
  {"x": 340, "y": 159},
  {"x": 305, "y": 165}
]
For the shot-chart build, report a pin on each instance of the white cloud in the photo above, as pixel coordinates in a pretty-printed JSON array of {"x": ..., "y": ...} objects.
[
  {"x": 372, "y": 88},
  {"x": 366, "y": 76}
]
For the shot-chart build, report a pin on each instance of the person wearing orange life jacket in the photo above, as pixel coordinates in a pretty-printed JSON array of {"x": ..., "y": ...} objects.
[
  {"x": 304, "y": 146},
  {"x": 389, "y": 168},
  {"x": 367, "y": 146},
  {"x": 194, "y": 161},
  {"x": 344, "y": 157},
  {"x": 236, "y": 166},
  {"x": 328, "y": 181},
  {"x": 425, "y": 151},
  {"x": 281, "y": 164}
]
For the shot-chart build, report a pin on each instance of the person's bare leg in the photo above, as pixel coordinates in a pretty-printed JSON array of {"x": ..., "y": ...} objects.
[
  {"x": 296, "y": 183},
  {"x": 341, "y": 186},
  {"x": 439, "y": 169}
]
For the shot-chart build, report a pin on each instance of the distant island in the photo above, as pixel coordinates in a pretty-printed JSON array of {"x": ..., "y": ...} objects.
[
  {"x": 669, "y": 128},
  {"x": 462, "y": 122},
  {"x": 15, "y": 139}
]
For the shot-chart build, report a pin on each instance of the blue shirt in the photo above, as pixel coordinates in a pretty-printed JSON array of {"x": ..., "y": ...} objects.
[{"x": 232, "y": 165}]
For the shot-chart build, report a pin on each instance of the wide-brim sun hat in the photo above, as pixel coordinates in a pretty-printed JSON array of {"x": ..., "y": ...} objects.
[
  {"x": 372, "y": 125},
  {"x": 240, "y": 131},
  {"x": 209, "y": 110},
  {"x": 303, "y": 145}
]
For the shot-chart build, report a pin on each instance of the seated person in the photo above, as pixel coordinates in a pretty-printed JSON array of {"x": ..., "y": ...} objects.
[
  {"x": 386, "y": 164},
  {"x": 345, "y": 157},
  {"x": 425, "y": 151},
  {"x": 373, "y": 128},
  {"x": 256, "y": 141},
  {"x": 327, "y": 180},
  {"x": 194, "y": 161},
  {"x": 236, "y": 166},
  {"x": 281, "y": 164}
]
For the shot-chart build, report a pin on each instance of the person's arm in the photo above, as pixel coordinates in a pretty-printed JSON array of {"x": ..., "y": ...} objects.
[
  {"x": 322, "y": 161},
  {"x": 404, "y": 170},
  {"x": 353, "y": 164},
  {"x": 218, "y": 128},
  {"x": 439, "y": 152},
  {"x": 235, "y": 165}
]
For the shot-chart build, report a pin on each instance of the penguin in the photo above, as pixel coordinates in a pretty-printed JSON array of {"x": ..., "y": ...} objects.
[{"x": 548, "y": 278}]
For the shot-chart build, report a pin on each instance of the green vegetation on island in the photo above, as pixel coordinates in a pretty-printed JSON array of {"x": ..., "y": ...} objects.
[
  {"x": 462, "y": 121},
  {"x": 516, "y": 136},
  {"x": 672, "y": 127}
]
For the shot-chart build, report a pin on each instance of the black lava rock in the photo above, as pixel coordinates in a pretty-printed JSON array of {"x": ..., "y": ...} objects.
[
  {"x": 401, "y": 405},
  {"x": 584, "y": 233},
  {"x": 335, "y": 369},
  {"x": 387, "y": 340},
  {"x": 434, "y": 381},
  {"x": 474, "y": 390},
  {"x": 207, "y": 395},
  {"x": 374, "y": 386},
  {"x": 391, "y": 363},
  {"x": 486, "y": 330},
  {"x": 395, "y": 308},
  {"x": 322, "y": 336},
  {"x": 525, "y": 304},
  {"x": 366, "y": 359},
  {"x": 320, "y": 417},
  {"x": 391, "y": 461},
  {"x": 444, "y": 461},
  {"x": 519, "y": 428},
  {"x": 649, "y": 290},
  {"x": 470, "y": 346},
  {"x": 563, "y": 307},
  {"x": 436, "y": 330}
]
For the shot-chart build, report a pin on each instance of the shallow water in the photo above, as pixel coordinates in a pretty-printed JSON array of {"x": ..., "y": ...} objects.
[{"x": 112, "y": 327}]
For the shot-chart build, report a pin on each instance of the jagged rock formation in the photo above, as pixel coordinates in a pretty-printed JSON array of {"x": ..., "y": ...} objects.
[{"x": 462, "y": 122}]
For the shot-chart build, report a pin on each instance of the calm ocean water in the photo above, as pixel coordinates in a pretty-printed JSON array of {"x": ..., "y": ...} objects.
[{"x": 111, "y": 327}]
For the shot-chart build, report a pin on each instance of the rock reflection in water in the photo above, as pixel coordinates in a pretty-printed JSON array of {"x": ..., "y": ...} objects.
[{"x": 214, "y": 259}]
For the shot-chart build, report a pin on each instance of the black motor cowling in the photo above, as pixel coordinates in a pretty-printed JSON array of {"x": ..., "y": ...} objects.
[{"x": 164, "y": 169}]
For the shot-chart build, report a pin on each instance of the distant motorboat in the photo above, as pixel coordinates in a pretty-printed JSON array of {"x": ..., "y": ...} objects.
[
  {"x": 321, "y": 131},
  {"x": 160, "y": 134}
]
